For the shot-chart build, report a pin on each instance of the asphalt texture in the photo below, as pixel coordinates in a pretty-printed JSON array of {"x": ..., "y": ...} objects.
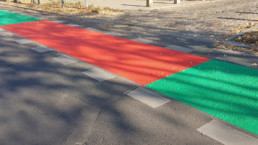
[{"x": 45, "y": 102}]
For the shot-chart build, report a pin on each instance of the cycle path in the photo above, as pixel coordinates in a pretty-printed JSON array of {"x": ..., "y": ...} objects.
[{"x": 221, "y": 89}]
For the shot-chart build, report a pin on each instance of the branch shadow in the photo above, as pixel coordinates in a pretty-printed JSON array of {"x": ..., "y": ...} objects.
[{"x": 37, "y": 109}]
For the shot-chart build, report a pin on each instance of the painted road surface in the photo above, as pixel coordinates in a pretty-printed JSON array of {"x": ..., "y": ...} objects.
[
  {"x": 221, "y": 89},
  {"x": 138, "y": 62},
  {"x": 7, "y": 18},
  {"x": 224, "y": 90}
]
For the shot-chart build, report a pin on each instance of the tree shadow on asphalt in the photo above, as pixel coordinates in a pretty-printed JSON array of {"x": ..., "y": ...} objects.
[
  {"x": 43, "y": 106},
  {"x": 44, "y": 102},
  {"x": 40, "y": 101},
  {"x": 48, "y": 93}
]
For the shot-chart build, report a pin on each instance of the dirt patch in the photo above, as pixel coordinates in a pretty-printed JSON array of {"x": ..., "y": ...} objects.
[
  {"x": 250, "y": 38},
  {"x": 237, "y": 48},
  {"x": 69, "y": 8}
]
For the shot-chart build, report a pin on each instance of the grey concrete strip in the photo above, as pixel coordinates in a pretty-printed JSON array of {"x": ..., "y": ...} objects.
[
  {"x": 65, "y": 60},
  {"x": 229, "y": 51},
  {"x": 136, "y": 27},
  {"x": 99, "y": 74},
  {"x": 6, "y": 34},
  {"x": 120, "y": 26},
  {"x": 92, "y": 29},
  {"x": 241, "y": 33},
  {"x": 226, "y": 134},
  {"x": 112, "y": 33},
  {"x": 142, "y": 40},
  {"x": 179, "y": 48},
  {"x": 58, "y": 21},
  {"x": 254, "y": 64},
  {"x": 23, "y": 41},
  {"x": 148, "y": 97},
  {"x": 2, "y": 30},
  {"x": 41, "y": 49},
  {"x": 73, "y": 25},
  {"x": 232, "y": 61}
]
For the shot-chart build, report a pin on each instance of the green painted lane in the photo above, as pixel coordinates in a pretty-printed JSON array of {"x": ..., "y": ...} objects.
[
  {"x": 7, "y": 18},
  {"x": 224, "y": 90}
]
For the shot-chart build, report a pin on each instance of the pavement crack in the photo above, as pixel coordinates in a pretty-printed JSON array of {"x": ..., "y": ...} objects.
[{"x": 94, "y": 124}]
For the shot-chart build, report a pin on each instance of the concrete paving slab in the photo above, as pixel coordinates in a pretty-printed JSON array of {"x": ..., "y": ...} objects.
[
  {"x": 180, "y": 48},
  {"x": 148, "y": 97},
  {"x": 226, "y": 134},
  {"x": 73, "y": 25},
  {"x": 58, "y": 21},
  {"x": 6, "y": 34},
  {"x": 136, "y": 27},
  {"x": 113, "y": 33},
  {"x": 65, "y": 60},
  {"x": 142, "y": 40},
  {"x": 92, "y": 29},
  {"x": 99, "y": 74},
  {"x": 41, "y": 49},
  {"x": 23, "y": 41},
  {"x": 120, "y": 26}
]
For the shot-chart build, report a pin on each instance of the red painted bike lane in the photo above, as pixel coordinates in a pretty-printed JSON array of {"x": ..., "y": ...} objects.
[{"x": 138, "y": 62}]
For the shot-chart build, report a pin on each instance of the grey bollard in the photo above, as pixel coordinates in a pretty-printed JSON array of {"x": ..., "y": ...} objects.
[
  {"x": 176, "y": 1},
  {"x": 149, "y": 3}
]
